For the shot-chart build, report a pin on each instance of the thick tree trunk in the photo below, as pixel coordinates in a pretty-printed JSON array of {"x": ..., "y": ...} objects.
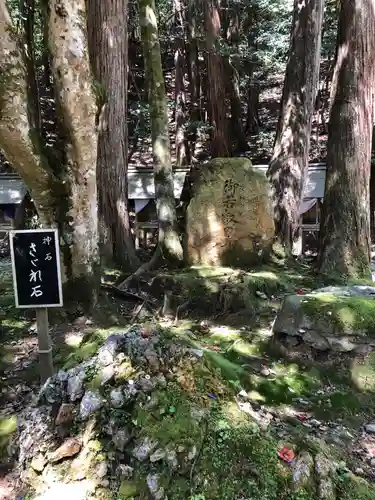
[
  {"x": 194, "y": 76},
  {"x": 237, "y": 129},
  {"x": 182, "y": 145},
  {"x": 169, "y": 243},
  {"x": 217, "y": 106},
  {"x": 252, "y": 118},
  {"x": 27, "y": 8},
  {"x": 67, "y": 201},
  {"x": 76, "y": 105},
  {"x": 107, "y": 25},
  {"x": 345, "y": 226},
  {"x": 291, "y": 150},
  {"x": 18, "y": 139}
]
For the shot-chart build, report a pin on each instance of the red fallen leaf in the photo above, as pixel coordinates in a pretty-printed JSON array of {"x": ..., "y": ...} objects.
[
  {"x": 213, "y": 348},
  {"x": 286, "y": 454},
  {"x": 301, "y": 418},
  {"x": 300, "y": 291}
]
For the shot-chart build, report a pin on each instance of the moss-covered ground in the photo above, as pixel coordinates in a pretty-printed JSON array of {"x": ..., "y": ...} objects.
[{"x": 227, "y": 315}]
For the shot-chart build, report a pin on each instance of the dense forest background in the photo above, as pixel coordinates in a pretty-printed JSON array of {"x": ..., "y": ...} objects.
[{"x": 91, "y": 88}]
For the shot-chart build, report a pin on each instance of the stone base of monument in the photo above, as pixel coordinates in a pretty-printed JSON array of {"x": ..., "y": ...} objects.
[{"x": 335, "y": 319}]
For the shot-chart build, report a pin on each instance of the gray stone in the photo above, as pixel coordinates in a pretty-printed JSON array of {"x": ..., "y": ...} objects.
[
  {"x": 364, "y": 291},
  {"x": 152, "y": 359},
  {"x": 121, "y": 438},
  {"x": 171, "y": 459},
  {"x": 316, "y": 341},
  {"x": 125, "y": 471},
  {"x": 106, "y": 374},
  {"x": 102, "y": 470},
  {"x": 91, "y": 403},
  {"x": 342, "y": 344},
  {"x": 288, "y": 319},
  {"x": 158, "y": 454},
  {"x": 370, "y": 428},
  {"x": 326, "y": 489},
  {"x": 106, "y": 356},
  {"x": 38, "y": 463},
  {"x": 144, "y": 448},
  {"x": 198, "y": 353},
  {"x": 302, "y": 470},
  {"x": 323, "y": 466},
  {"x": 153, "y": 483},
  {"x": 75, "y": 387},
  {"x": 117, "y": 398}
]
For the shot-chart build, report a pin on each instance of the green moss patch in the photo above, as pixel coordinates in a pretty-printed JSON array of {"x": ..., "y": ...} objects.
[{"x": 352, "y": 315}]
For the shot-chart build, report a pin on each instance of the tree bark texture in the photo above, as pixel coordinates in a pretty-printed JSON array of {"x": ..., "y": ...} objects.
[
  {"x": 217, "y": 103},
  {"x": 194, "y": 75},
  {"x": 63, "y": 199},
  {"x": 237, "y": 128},
  {"x": 77, "y": 109},
  {"x": 345, "y": 226},
  {"x": 18, "y": 139},
  {"x": 182, "y": 145},
  {"x": 169, "y": 243},
  {"x": 108, "y": 43},
  {"x": 291, "y": 150}
]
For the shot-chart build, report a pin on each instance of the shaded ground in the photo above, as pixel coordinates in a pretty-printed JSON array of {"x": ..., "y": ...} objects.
[{"x": 323, "y": 401}]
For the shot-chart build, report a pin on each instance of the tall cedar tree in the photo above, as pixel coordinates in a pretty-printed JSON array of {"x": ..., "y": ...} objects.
[
  {"x": 108, "y": 44},
  {"x": 216, "y": 84},
  {"x": 291, "y": 150},
  {"x": 168, "y": 241},
  {"x": 345, "y": 226}
]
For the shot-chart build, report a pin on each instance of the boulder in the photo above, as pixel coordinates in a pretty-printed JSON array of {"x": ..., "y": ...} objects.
[
  {"x": 229, "y": 218},
  {"x": 340, "y": 319}
]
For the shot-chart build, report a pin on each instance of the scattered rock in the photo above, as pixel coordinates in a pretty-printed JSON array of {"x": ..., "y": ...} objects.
[
  {"x": 315, "y": 340},
  {"x": 318, "y": 324},
  {"x": 106, "y": 374},
  {"x": 302, "y": 471},
  {"x": 38, "y": 463},
  {"x": 102, "y": 470},
  {"x": 370, "y": 428},
  {"x": 171, "y": 459},
  {"x": 65, "y": 414},
  {"x": 124, "y": 471},
  {"x": 75, "y": 387},
  {"x": 121, "y": 438},
  {"x": 144, "y": 449},
  {"x": 159, "y": 454},
  {"x": 153, "y": 483},
  {"x": 91, "y": 403},
  {"x": 117, "y": 398},
  {"x": 69, "y": 448}
]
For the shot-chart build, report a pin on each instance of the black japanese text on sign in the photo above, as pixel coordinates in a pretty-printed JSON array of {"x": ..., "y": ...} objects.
[{"x": 36, "y": 268}]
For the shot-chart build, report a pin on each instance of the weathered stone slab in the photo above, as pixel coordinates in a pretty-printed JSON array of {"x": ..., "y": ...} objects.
[{"x": 341, "y": 319}]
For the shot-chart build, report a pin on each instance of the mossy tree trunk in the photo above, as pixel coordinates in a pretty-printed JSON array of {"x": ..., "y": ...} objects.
[
  {"x": 108, "y": 43},
  {"x": 64, "y": 197},
  {"x": 345, "y": 226},
  {"x": 168, "y": 243},
  {"x": 291, "y": 150}
]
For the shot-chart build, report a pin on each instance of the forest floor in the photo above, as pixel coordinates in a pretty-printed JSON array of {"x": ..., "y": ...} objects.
[{"x": 309, "y": 403}]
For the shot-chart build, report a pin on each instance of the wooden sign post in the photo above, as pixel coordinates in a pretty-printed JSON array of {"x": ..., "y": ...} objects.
[{"x": 37, "y": 283}]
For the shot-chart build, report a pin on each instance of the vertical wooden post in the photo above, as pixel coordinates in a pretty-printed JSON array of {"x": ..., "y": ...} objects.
[{"x": 44, "y": 343}]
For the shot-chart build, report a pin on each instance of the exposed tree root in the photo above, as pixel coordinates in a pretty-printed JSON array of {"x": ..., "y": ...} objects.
[{"x": 147, "y": 266}]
